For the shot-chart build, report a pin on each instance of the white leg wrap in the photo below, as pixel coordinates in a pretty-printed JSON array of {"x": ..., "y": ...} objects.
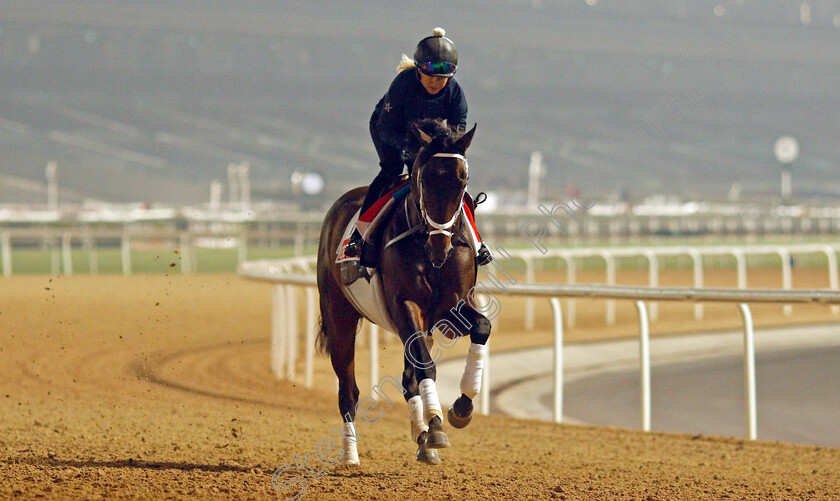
[
  {"x": 471, "y": 380},
  {"x": 431, "y": 401},
  {"x": 351, "y": 454},
  {"x": 415, "y": 414}
]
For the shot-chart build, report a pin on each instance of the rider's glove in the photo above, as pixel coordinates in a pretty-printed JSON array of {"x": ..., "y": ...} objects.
[{"x": 408, "y": 157}]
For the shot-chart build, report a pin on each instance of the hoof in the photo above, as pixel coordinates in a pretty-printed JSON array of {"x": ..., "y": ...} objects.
[
  {"x": 436, "y": 438},
  {"x": 426, "y": 455},
  {"x": 457, "y": 421},
  {"x": 460, "y": 413}
]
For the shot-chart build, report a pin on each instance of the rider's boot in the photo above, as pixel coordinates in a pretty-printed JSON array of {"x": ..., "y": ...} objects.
[
  {"x": 354, "y": 245},
  {"x": 358, "y": 247},
  {"x": 484, "y": 255}
]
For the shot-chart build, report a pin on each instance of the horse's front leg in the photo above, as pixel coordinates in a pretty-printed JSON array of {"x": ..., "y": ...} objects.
[
  {"x": 413, "y": 335},
  {"x": 460, "y": 413},
  {"x": 419, "y": 428}
]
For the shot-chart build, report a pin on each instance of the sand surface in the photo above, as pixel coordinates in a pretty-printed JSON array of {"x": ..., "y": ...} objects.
[{"x": 158, "y": 387}]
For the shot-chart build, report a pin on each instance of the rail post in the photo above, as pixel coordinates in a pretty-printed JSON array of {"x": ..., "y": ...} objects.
[
  {"x": 311, "y": 327},
  {"x": 6, "y": 244},
  {"x": 609, "y": 259},
  {"x": 291, "y": 331},
  {"x": 571, "y": 277},
  {"x": 484, "y": 405},
  {"x": 66, "y": 254},
  {"x": 89, "y": 245},
  {"x": 644, "y": 362},
  {"x": 558, "y": 360},
  {"x": 831, "y": 255},
  {"x": 741, "y": 263},
  {"x": 374, "y": 357},
  {"x": 653, "y": 281},
  {"x": 125, "y": 254},
  {"x": 485, "y": 382},
  {"x": 361, "y": 340},
  {"x": 698, "y": 280},
  {"x": 530, "y": 277},
  {"x": 787, "y": 276},
  {"x": 749, "y": 370},
  {"x": 278, "y": 341},
  {"x": 184, "y": 249},
  {"x": 55, "y": 261}
]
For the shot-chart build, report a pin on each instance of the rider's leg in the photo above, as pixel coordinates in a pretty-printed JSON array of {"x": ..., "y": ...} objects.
[
  {"x": 391, "y": 165},
  {"x": 376, "y": 189},
  {"x": 483, "y": 254}
]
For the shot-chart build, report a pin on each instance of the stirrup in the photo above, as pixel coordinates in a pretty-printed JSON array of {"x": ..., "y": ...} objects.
[
  {"x": 352, "y": 271},
  {"x": 484, "y": 255},
  {"x": 354, "y": 246}
]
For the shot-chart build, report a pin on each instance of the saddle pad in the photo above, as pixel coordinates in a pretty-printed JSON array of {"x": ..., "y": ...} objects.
[{"x": 367, "y": 296}]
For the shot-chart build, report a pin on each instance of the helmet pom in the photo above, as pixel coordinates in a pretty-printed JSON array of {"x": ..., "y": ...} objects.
[{"x": 438, "y": 32}]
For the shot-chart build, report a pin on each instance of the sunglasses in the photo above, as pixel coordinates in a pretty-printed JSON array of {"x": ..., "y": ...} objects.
[{"x": 441, "y": 68}]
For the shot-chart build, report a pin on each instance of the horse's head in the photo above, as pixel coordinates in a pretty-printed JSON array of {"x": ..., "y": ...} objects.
[{"x": 439, "y": 180}]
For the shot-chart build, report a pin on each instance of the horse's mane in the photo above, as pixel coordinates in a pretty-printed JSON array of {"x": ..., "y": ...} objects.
[{"x": 443, "y": 138}]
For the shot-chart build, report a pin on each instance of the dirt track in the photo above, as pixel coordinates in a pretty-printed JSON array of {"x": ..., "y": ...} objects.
[{"x": 158, "y": 387}]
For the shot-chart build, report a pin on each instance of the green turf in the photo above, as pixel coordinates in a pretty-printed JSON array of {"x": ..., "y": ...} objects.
[
  {"x": 169, "y": 259},
  {"x": 148, "y": 260}
]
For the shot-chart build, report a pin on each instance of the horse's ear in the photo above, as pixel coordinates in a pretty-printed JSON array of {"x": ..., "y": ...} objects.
[
  {"x": 464, "y": 141},
  {"x": 425, "y": 139}
]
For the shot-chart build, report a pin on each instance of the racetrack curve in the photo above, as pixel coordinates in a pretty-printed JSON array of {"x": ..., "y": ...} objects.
[
  {"x": 797, "y": 401},
  {"x": 159, "y": 387}
]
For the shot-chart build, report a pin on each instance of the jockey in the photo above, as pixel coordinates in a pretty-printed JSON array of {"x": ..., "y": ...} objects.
[{"x": 424, "y": 88}]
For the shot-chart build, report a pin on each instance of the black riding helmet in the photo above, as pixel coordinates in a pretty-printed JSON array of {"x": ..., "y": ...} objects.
[{"x": 436, "y": 55}]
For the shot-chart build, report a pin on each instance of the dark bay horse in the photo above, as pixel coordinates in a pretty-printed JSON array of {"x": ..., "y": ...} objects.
[{"x": 427, "y": 278}]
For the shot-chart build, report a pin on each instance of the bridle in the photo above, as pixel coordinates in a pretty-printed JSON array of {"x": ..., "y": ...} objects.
[
  {"x": 443, "y": 228},
  {"x": 426, "y": 221}
]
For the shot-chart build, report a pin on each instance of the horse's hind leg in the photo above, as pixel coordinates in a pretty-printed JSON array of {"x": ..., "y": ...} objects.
[{"x": 340, "y": 321}]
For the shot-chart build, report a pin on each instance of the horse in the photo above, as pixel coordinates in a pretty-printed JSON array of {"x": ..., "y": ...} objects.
[{"x": 428, "y": 276}]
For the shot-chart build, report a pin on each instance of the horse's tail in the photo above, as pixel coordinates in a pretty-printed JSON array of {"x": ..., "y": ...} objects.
[{"x": 322, "y": 341}]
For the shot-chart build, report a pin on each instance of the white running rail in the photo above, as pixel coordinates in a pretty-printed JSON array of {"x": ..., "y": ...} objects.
[
  {"x": 612, "y": 255},
  {"x": 289, "y": 274}
]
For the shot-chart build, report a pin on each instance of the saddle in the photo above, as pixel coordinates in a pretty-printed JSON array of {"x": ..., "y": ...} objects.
[
  {"x": 367, "y": 295},
  {"x": 371, "y": 223}
]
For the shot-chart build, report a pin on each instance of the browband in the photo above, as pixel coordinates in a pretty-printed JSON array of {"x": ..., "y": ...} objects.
[
  {"x": 451, "y": 155},
  {"x": 455, "y": 155}
]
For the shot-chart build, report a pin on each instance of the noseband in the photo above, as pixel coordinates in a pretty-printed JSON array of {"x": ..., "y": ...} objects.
[{"x": 443, "y": 228}]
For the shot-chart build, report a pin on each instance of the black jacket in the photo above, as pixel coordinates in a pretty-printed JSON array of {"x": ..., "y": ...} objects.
[{"x": 408, "y": 101}]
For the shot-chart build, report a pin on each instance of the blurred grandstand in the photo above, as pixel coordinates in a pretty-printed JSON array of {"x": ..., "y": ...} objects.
[{"x": 149, "y": 102}]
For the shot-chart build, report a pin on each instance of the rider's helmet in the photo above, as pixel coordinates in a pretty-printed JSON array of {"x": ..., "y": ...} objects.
[{"x": 436, "y": 55}]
